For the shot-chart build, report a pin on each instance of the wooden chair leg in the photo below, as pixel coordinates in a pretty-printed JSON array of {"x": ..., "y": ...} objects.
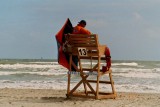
[
  {"x": 84, "y": 79},
  {"x": 97, "y": 88},
  {"x": 112, "y": 84},
  {"x": 68, "y": 86},
  {"x": 85, "y": 88},
  {"x": 71, "y": 92},
  {"x": 86, "y": 83}
]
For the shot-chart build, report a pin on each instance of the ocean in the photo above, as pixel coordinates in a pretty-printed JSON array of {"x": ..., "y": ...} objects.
[{"x": 128, "y": 76}]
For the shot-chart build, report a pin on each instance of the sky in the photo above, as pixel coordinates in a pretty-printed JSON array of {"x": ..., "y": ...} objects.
[{"x": 130, "y": 28}]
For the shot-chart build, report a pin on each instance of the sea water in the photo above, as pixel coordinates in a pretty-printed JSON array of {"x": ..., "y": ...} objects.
[{"x": 128, "y": 76}]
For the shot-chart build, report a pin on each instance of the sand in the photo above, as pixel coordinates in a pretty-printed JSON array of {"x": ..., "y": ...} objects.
[{"x": 57, "y": 98}]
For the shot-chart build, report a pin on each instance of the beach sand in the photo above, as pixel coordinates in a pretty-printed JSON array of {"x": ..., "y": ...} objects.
[{"x": 57, "y": 98}]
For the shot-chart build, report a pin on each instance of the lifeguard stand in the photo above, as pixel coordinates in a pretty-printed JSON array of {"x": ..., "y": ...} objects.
[{"x": 87, "y": 47}]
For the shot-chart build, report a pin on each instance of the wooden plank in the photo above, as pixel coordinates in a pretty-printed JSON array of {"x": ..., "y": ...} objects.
[
  {"x": 104, "y": 82},
  {"x": 106, "y": 72},
  {"x": 82, "y": 39},
  {"x": 88, "y": 55},
  {"x": 113, "y": 96},
  {"x": 100, "y": 96},
  {"x": 68, "y": 86},
  {"x": 89, "y": 48},
  {"x": 105, "y": 93},
  {"x": 84, "y": 45},
  {"x": 76, "y": 87},
  {"x": 93, "y": 58},
  {"x": 82, "y": 95},
  {"x": 84, "y": 79},
  {"x": 84, "y": 42},
  {"x": 112, "y": 83},
  {"x": 80, "y": 35}
]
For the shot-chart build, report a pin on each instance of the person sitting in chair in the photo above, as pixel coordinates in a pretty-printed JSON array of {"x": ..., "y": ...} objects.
[{"x": 79, "y": 29}]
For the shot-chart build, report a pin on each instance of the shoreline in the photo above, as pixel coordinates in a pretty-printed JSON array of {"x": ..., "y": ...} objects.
[{"x": 11, "y": 97}]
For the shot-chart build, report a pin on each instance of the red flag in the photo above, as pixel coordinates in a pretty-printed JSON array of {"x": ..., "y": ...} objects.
[{"x": 60, "y": 37}]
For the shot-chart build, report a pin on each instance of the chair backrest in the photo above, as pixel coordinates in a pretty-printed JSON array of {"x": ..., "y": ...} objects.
[{"x": 83, "y": 45}]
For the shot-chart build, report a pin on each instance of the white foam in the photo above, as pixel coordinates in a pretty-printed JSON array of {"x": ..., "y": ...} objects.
[
  {"x": 53, "y": 68},
  {"x": 126, "y": 64},
  {"x": 50, "y": 72},
  {"x": 126, "y": 70},
  {"x": 135, "y": 72},
  {"x": 18, "y": 66},
  {"x": 43, "y": 62},
  {"x": 138, "y": 75},
  {"x": 34, "y": 84},
  {"x": 63, "y": 85},
  {"x": 156, "y": 70}
]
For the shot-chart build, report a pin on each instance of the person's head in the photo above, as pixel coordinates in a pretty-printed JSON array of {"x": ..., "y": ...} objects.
[{"x": 82, "y": 23}]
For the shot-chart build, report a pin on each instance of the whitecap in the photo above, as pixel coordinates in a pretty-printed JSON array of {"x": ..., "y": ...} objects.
[{"x": 126, "y": 64}]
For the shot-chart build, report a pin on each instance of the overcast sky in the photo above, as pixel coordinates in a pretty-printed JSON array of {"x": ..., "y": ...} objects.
[{"x": 130, "y": 28}]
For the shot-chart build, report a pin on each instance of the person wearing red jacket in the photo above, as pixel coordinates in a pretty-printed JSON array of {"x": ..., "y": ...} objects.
[{"x": 80, "y": 28}]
